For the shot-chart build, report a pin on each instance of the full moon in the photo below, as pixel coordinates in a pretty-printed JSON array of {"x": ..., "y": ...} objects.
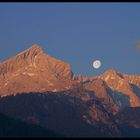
[{"x": 96, "y": 64}]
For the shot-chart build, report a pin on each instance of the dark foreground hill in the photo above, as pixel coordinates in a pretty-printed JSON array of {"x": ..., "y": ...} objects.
[{"x": 10, "y": 127}]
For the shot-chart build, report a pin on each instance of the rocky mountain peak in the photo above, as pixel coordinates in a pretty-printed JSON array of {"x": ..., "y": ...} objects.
[
  {"x": 31, "y": 52},
  {"x": 34, "y": 70},
  {"x": 21, "y": 60},
  {"x": 119, "y": 82},
  {"x": 35, "y": 47},
  {"x": 113, "y": 73}
]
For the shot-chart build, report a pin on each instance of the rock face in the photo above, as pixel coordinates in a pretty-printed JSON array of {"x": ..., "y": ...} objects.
[
  {"x": 34, "y": 70},
  {"x": 102, "y": 92},
  {"x": 36, "y": 87},
  {"x": 123, "y": 84}
]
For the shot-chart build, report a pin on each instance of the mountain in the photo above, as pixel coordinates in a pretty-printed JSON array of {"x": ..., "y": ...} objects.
[
  {"x": 129, "y": 122},
  {"x": 10, "y": 127},
  {"x": 123, "y": 83},
  {"x": 62, "y": 113},
  {"x": 34, "y": 70},
  {"x": 40, "y": 89}
]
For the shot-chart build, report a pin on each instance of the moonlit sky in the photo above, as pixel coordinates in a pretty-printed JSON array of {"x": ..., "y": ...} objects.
[{"x": 77, "y": 33}]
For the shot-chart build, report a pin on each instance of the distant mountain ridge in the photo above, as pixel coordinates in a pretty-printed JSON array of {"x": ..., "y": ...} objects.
[{"x": 44, "y": 72}]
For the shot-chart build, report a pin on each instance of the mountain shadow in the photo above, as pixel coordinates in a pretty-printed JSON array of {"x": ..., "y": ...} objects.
[
  {"x": 10, "y": 127},
  {"x": 128, "y": 121},
  {"x": 58, "y": 112}
]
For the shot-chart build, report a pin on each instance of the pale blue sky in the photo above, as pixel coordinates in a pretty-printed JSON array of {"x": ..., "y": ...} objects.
[{"x": 76, "y": 33}]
